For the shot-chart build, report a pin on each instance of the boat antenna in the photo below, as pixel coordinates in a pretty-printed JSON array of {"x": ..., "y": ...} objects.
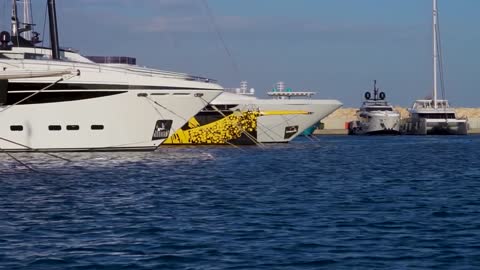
[
  {"x": 52, "y": 19},
  {"x": 435, "y": 53}
]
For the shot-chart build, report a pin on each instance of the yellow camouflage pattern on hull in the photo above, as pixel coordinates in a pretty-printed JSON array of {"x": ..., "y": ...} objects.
[{"x": 222, "y": 131}]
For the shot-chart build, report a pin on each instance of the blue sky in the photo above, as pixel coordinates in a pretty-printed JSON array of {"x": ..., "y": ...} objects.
[{"x": 333, "y": 47}]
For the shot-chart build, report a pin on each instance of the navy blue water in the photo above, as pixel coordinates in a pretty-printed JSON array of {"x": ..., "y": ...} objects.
[{"x": 336, "y": 202}]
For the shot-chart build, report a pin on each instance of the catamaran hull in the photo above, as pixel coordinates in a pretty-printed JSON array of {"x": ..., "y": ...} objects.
[
  {"x": 436, "y": 127},
  {"x": 132, "y": 120}
]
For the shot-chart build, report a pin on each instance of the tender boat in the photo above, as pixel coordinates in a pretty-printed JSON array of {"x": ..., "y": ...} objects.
[
  {"x": 376, "y": 116},
  {"x": 434, "y": 116},
  {"x": 58, "y": 100}
]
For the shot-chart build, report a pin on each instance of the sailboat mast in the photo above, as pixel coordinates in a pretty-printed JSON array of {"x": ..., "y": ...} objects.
[
  {"x": 15, "y": 25},
  {"x": 435, "y": 53},
  {"x": 27, "y": 19}
]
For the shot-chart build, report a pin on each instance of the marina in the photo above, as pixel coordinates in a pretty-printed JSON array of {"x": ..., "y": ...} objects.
[{"x": 112, "y": 159}]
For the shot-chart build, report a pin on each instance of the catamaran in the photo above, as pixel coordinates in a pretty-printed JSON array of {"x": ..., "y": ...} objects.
[
  {"x": 434, "y": 116},
  {"x": 54, "y": 99}
]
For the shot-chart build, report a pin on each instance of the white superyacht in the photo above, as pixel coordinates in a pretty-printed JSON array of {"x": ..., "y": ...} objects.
[
  {"x": 376, "y": 116},
  {"x": 435, "y": 116},
  {"x": 58, "y": 100},
  {"x": 238, "y": 117}
]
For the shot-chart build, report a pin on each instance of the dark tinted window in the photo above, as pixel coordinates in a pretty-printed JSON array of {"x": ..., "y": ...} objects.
[
  {"x": 73, "y": 127},
  {"x": 16, "y": 128},
  {"x": 438, "y": 115},
  {"x": 54, "y": 128},
  {"x": 379, "y": 109},
  {"x": 97, "y": 127}
]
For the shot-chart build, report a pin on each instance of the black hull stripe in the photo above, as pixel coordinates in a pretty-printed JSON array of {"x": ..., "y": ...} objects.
[
  {"x": 78, "y": 86},
  {"x": 55, "y": 97}
]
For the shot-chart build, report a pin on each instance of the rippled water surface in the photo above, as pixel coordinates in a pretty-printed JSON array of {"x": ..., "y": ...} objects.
[{"x": 334, "y": 202}]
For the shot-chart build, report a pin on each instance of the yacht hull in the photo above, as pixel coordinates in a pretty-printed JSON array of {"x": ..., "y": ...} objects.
[
  {"x": 132, "y": 120},
  {"x": 376, "y": 125},
  {"x": 283, "y": 128},
  {"x": 254, "y": 121}
]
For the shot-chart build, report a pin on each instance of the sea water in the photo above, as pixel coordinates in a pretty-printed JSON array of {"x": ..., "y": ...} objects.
[{"x": 330, "y": 202}]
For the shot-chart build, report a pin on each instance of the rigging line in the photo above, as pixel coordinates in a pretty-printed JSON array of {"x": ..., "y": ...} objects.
[
  {"x": 44, "y": 25},
  {"x": 440, "y": 59},
  {"x": 32, "y": 22},
  {"x": 29, "y": 148},
  {"x": 19, "y": 161},
  {"x": 38, "y": 92},
  {"x": 310, "y": 137},
  {"x": 314, "y": 138},
  {"x": 268, "y": 129},
  {"x": 220, "y": 36},
  {"x": 234, "y": 146},
  {"x": 248, "y": 135},
  {"x": 226, "y": 141},
  {"x": 160, "y": 105},
  {"x": 161, "y": 115},
  {"x": 441, "y": 66}
]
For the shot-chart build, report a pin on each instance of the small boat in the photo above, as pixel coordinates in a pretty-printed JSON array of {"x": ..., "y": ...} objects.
[
  {"x": 433, "y": 116},
  {"x": 376, "y": 116}
]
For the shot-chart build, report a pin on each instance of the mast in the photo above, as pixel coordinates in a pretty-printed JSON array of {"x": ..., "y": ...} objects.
[
  {"x": 435, "y": 53},
  {"x": 52, "y": 19},
  {"x": 14, "y": 19},
  {"x": 27, "y": 19}
]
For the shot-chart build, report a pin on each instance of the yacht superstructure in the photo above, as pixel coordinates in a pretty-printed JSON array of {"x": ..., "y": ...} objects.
[
  {"x": 58, "y": 100},
  {"x": 238, "y": 117},
  {"x": 434, "y": 116},
  {"x": 376, "y": 116}
]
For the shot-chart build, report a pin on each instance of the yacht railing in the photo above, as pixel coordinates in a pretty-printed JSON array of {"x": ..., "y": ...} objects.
[{"x": 54, "y": 65}]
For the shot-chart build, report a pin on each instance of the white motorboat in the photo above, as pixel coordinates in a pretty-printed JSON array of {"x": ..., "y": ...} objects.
[
  {"x": 59, "y": 100},
  {"x": 376, "y": 116},
  {"x": 433, "y": 116}
]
